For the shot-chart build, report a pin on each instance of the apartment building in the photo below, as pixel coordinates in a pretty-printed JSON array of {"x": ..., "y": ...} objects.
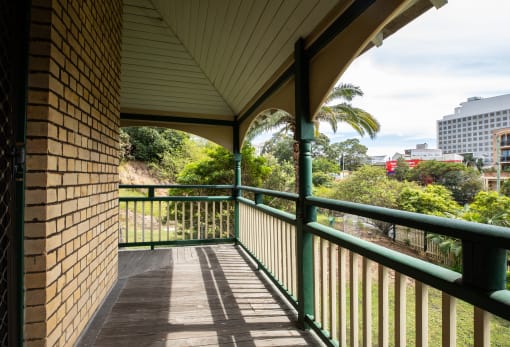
[{"x": 470, "y": 129}]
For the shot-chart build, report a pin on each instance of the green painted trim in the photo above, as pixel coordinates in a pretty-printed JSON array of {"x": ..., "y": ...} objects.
[
  {"x": 175, "y": 119},
  {"x": 284, "y": 77},
  {"x": 324, "y": 335},
  {"x": 492, "y": 235},
  {"x": 177, "y": 243},
  {"x": 305, "y": 130},
  {"x": 283, "y": 290},
  {"x": 176, "y": 198},
  {"x": 276, "y": 194},
  {"x": 448, "y": 281},
  {"x": 23, "y": 12},
  {"x": 175, "y": 186},
  {"x": 339, "y": 25},
  {"x": 281, "y": 215},
  {"x": 236, "y": 192}
]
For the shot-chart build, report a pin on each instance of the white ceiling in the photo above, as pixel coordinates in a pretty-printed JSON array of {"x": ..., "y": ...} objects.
[{"x": 208, "y": 57}]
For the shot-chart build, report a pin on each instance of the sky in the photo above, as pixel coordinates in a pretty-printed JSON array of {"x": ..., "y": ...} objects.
[{"x": 425, "y": 70}]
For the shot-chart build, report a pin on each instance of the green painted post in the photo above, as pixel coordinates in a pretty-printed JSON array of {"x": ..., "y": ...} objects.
[
  {"x": 483, "y": 267},
  {"x": 236, "y": 192},
  {"x": 23, "y": 11},
  {"x": 304, "y": 137}
]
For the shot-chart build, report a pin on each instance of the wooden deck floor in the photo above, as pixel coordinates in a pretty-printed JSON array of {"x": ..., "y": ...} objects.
[{"x": 193, "y": 296}]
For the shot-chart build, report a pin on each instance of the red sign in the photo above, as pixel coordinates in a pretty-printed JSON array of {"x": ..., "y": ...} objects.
[{"x": 391, "y": 165}]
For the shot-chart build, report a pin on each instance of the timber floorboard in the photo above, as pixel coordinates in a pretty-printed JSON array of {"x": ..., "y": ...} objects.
[{"x": 193, "y": 296}]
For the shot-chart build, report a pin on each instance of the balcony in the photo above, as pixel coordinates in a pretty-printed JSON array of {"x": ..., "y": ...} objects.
[{"x": 258, "y": 276}]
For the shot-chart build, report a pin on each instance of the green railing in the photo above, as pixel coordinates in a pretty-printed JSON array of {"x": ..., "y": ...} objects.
[
  {"x": 354, "y": 291},
  {"x": 354, "y": 280},
  {"x": 171, "y": 215}
]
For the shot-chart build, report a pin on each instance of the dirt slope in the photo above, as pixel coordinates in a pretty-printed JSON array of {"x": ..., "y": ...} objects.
[{"x": 136, "y": 172}]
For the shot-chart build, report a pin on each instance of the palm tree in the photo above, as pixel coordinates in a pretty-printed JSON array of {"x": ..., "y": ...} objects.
[{"x": 341, "y": 112}]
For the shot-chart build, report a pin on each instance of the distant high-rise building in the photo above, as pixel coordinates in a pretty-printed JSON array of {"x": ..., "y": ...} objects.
[{"x": 471, "y": 128}]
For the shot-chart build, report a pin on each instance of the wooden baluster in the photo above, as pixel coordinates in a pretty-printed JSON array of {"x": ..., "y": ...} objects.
[
  {"x": 422, "y": 314},
  {"x": 400, "y": 309},
  {"x": 383, "y": 306},
  {"x": 354, "y": 286}
]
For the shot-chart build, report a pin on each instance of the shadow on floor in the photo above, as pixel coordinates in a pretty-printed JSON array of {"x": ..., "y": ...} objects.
[{"x": 193, "y": 296}]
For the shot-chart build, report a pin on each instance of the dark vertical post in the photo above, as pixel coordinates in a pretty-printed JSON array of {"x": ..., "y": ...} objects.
[
  {"x": 483, "y": 266},
  {"x": 20, "y": 41},
  {"x": 304, "y": 214},
  {"x": 237, "y": 180}
]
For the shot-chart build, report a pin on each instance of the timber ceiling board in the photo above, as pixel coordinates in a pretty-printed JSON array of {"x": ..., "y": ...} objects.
[
  {"x": 158, "y": 72},
  {"x": 208, "y": 56}
]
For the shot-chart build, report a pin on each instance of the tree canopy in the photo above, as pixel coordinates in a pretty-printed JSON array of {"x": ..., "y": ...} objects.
[
  {"x": 464, "y": 182},
  {"x": 433, "y": 199},
  {"x": 218, "y": 168},
  {"x": 489, "y": 208}
]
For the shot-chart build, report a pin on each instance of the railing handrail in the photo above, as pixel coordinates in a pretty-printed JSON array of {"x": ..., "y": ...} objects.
[
  {"x": 177, "y": 198},
  {"x": 176, "y": 186},
  {"x": 449, "y": 281},
  {"x": 496, "y": 236},
  {"x": 277, "y": 194},
  {"x": 282, "y": 215}
]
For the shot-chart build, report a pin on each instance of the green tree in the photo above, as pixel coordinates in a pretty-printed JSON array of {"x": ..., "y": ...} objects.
[
  {"x": 489, "y": 208},
  {"x": 402, "y": 170},
  {"x": 218, "y": 168},
  {"x": 281, "y": 177},
  {"x": 149, "y": 144},
  {"x": 462, "y": 181},
  {"x": 351, "y": 154},
  {"x": 505, "y": 187},
  {"x": 370, "y": 185},
  {"x": 434, "y": 200},
  {"x": 163, "y": 150},
  {"x": 337, "y": 109},
  {"x": 125, "y": 146},
  {"x": 323, "y": 170},
  {"x": 280, "y": 147}
]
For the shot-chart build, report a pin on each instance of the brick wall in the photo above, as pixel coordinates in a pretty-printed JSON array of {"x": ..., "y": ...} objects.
[{"x": 72, "y": 158}]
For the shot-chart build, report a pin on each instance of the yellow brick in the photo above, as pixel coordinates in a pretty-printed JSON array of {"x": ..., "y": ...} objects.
[
  {"x": 37, "y": 129},
  {"x": 35, "y": 314},
  {"x": 38, "y": 162},
  {"x": 53, "y": 274},
  {"x": 70, "y": 247},
  {"x": 70, "y": 179},
  {"x": 69, "y": 262},
  {"x": 35, "y": 280},
  {"x": 69, "y": 234},
  {"x": 35, "y": 146},
  {"x": 35, "y": 263},
  {"x": 54, "y": 147},
  {"x": 54, "y": 179},
  {"x": 35, "y": 330},
  {"x": 69, "y": 206},
  {"x": 53, "y": 242},
  {"x": 34, "y": 246},
  {"x": 37, "y": 196}
]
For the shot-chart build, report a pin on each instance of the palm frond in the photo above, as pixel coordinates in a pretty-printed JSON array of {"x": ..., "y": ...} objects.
[
  {"x": 341, "y": 112},
  {"x": 344, "y": 91}
]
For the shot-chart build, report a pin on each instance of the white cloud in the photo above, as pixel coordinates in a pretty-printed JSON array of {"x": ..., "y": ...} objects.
[{"x": 426, "y": 69}]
